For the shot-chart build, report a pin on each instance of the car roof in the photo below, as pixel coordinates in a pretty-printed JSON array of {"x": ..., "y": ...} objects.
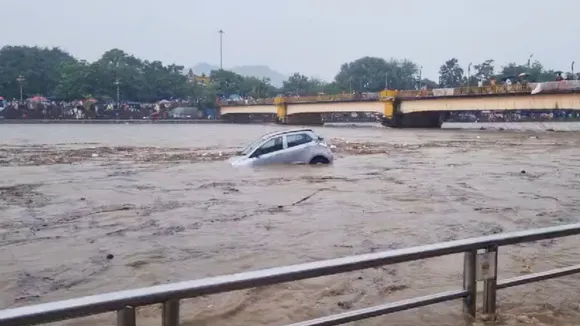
[{"x": 287, "y": 131}]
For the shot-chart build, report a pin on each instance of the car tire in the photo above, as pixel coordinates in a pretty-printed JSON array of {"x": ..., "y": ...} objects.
[{"x": 319, "y": 160}]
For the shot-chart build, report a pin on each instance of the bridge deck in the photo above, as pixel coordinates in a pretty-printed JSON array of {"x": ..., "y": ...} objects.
[
  {"x": 494, "y": 103},
  {"x": 569, "y": 86}
]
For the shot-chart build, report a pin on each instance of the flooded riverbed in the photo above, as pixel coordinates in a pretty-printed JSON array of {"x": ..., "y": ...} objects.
[{"x": 89, "y": 209}]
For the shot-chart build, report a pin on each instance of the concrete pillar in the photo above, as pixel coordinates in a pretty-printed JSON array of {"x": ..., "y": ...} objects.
[
  {"x": 236, "y": 118},
  {"x": 422, "y": 120},
  {"x": 249, "y": 118},
  {"x": 305, "y": 119},
  {"x": 415, "y": 120},
  {"x": 392, "y": 117}
]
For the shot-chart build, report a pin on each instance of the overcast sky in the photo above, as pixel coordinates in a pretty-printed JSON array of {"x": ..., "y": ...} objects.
[{"x": 310, "y": 36}]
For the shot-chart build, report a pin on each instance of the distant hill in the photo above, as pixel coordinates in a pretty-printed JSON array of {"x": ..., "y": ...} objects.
[
  {"x": 258, "y": 71},
  {"x": 202, "y": 68}
]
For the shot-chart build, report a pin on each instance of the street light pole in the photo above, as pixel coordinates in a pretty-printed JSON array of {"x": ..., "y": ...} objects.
[
  {"x": 20, "y": 80},
  {"x": 573, "y": 75},
  {"x": 468, "y": 73},
  {"x": 117, "y": 83},
  {"x": 350, "y": 85},
  {"x": 221, "y": 49},
  {"x": 420, "y": 76}
]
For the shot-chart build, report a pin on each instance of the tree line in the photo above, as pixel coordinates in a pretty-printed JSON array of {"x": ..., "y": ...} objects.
[{"x": 56, "y": 74}]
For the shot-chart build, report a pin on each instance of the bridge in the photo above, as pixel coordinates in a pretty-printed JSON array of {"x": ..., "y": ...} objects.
[{"x": 412, "y": 109}]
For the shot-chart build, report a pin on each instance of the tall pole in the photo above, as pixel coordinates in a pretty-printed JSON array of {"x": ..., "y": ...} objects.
[
  {"x": 468, "y": 73},
  {"x": 20, "y": 80},
  {"x": 573, "y": 75},
  {"x": 420, "y": 76},
  {"x": 350, "y": 84},
  {"x": 221, "y": 49},
  {"x": 117, "y": 83},
  {"x": 387, "y": 80}
]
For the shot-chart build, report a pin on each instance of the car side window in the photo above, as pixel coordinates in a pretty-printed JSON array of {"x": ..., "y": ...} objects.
[
  {"x": 270, "y": 146},
  {"x": 298, "y": 139}
]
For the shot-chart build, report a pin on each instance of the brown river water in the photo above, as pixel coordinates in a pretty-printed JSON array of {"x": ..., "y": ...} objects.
[{"x": 162, "y": 200}]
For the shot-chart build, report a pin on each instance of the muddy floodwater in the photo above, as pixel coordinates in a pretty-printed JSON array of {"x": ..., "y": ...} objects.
[{"x": 88, "y": 209}]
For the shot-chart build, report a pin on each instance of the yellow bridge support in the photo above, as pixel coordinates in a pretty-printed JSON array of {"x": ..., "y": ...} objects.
[
  {"x": 281, "y": 109},
  {"x": 388, "y": 98}
]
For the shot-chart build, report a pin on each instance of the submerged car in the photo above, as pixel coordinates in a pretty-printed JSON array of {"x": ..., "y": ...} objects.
[{"x": 296, "y": 146}]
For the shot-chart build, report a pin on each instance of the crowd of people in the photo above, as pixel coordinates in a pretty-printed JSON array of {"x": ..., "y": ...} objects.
[
  {"x": 42, "y": 108},
  {"x": 514, "y": 116}
]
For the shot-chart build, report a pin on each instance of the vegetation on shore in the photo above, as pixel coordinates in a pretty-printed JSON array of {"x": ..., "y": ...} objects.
[{"x": 56, "y": 74}]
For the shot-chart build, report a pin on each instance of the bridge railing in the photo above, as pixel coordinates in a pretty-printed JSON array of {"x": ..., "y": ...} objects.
[
  {"x": 437, "y": 92},
  {"x": 471, "y": 90},
  {"x": 478, "y": 266},
  {"x": 345, "y": 97},
  {"x": 322, "y": 98},
  {"x": 259, "y": 101}
]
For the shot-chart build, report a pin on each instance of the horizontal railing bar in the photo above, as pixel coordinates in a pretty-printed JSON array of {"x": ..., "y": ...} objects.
[
  {"x": 388, "y": 308},
  {"x": 101, "y": 303},
  {"x": 536, "y": 277}
]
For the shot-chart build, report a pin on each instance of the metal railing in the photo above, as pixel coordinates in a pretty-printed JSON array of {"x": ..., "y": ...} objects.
[
  {"x": 259, "y": 101},
  {"x": 321, "y": 98},
  {"x": 306, "y": 99},
  {"x": 477, "y": 267},
  {"x": 566, "y": 86},
  {"x": 471, "y": 90},
  {"x": 333, "y": 98}
]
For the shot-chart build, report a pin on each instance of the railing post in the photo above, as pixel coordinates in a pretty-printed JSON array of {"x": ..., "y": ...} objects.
[
  {"x": 126, "y": 317},
  {"x": 469, "y": 282},
  {"x": 490, "y": 284},
  {"x": 170, "y": 315}
]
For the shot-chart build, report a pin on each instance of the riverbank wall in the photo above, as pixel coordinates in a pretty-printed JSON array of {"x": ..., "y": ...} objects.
[
  {"x": 561, "y": 126},
  {"x": 107, "y": 121}
]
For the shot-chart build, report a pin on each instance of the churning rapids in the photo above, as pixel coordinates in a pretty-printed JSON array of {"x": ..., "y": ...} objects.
[{"x": 89, "y": 209}]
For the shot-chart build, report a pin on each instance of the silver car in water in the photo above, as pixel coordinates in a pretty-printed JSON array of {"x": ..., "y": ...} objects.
[{"x": 295, "y": 146}]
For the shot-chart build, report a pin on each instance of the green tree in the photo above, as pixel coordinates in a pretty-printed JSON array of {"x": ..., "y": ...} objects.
[
  {"x": 226, "y": 82},
  {"x": 364, "y": 74},
  {"x": 405, "y": 74},
  {"x": 54, "y": 73},
  {"x": 429, "y": 83},
  {"x": 74, "y": 81},
  {"x": 372, "y": 74},
  {"x": 301, "y": 85},
  {"x": 483, "y": 71},
  {"x": 451, "y": 74},
  {"x": 39, "y": 67},
  {"x": 331, "y": 88},
  {"x": 257, "y": 87},
  {"x": 138, "y": 80},
  {"x": 536, "y": 72}
]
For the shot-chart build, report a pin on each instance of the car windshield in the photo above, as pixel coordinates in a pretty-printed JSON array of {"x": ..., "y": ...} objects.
[{"x": 250, "y": 148}]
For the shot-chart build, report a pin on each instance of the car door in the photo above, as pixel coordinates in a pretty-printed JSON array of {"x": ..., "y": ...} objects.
[
  {"x": 297, "y": 148},
  {"x": 269, "y": 152}
]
